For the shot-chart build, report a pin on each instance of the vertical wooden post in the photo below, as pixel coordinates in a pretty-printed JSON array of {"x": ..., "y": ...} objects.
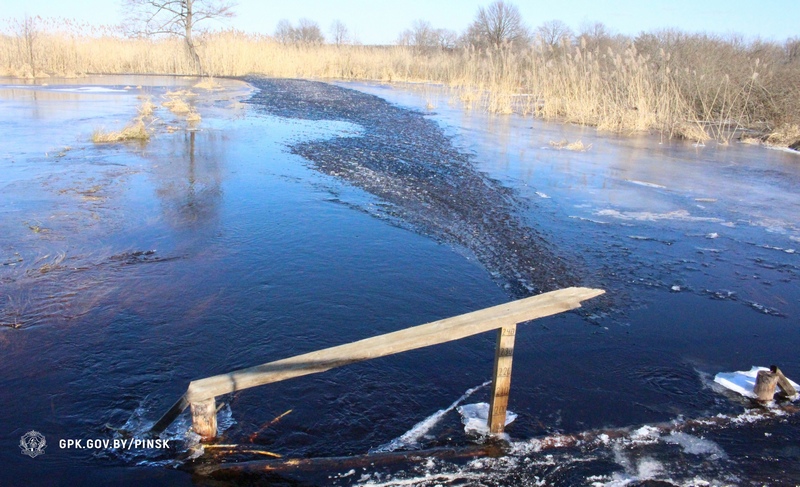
[
  {"x": 204, "y": 418},
  {"x": 766, "y": 380},
  {"x": 501, "y": 383}
]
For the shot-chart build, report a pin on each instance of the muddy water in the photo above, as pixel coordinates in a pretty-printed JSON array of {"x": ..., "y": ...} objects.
[{"x": 277, "y": 228}]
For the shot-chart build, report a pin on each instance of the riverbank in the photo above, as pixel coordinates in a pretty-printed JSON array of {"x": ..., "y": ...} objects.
[{"x": 691, "y": 86}]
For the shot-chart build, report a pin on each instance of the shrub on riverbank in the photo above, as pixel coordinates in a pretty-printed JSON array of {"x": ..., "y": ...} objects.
[{"x": 685, "y": 85}]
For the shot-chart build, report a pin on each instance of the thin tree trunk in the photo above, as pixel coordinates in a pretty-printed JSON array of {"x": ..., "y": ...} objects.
[
  {"x": 189, "y": 41},
  {"x": 193, "y": 53}
]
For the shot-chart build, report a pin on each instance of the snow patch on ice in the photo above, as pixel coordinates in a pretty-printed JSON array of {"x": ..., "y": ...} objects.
[
  {"x": 677, "y": 215},
  {"x": 588, "y": 220},
  {"x": 476, "y": 416},
  {"x": 645, "y": 183},
  {"x": 91, "y": 89}
]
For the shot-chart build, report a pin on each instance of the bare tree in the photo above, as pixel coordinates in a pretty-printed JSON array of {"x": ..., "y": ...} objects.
[
  {"x": 447, "y": 39},
  {"x": 339, "y": 33},
  {"x": 176, "y": 18},
  {"x": 595, "y": 36},
  {"x": 308, "y": 32},
  {"x": 421, "y": 35},
  {"x": 498, "y": 24},
  {"x": 284, "y": 32},
  {"x": 553, "y": 33},
  {"x": 27, "y": 31},
  {"x": 792, "y": 49}
]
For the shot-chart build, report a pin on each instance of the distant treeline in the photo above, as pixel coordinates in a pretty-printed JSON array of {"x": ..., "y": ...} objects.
[{"x": 697, "y": 86}]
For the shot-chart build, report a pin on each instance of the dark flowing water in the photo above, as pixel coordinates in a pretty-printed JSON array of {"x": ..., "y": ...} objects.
[{"x": 315, "y": 215}]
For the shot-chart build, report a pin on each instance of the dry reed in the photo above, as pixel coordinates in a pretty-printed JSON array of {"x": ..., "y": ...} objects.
[{"x": 683, "y": 85}]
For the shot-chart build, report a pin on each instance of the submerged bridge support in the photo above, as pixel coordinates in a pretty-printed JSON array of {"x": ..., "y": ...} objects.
[{"x": 201, "y": 394}]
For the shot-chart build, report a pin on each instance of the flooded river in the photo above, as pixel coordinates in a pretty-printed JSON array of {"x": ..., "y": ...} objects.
[{"x": 298, "y": 215}]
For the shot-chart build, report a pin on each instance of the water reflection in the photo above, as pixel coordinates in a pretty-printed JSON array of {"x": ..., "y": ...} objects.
[{"x": 187, "y": 176}]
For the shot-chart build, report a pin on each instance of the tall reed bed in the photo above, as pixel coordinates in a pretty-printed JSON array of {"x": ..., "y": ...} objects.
[{"x": 685, "y": 85}]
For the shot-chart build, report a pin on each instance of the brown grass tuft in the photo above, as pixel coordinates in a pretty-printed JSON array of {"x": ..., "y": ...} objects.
[
  {"x": 135, "y": 131},
  {"x": 146, "y": 109},
  {"x": 193, "y": 116},
  {"x": 208, "y": 84},
  {"x": 577, "y": 146},
  {"x": 785, "y": 136},
  {"x": 177, "y": 106}
]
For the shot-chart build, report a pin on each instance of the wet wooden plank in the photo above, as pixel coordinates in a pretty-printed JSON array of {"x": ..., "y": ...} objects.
[{"x": 433, "y": 333}]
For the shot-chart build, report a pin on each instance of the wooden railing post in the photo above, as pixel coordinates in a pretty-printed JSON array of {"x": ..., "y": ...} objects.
[
  {"x": 501, "y": 379},
  {"x": 204, "y": 418}
]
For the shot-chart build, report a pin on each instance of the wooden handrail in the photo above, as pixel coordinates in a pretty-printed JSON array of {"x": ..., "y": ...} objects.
[{"x": 201, "y": 393}]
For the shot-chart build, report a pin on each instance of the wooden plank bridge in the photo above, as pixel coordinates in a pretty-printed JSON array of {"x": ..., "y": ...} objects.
[{"x": 201, "y": 394}]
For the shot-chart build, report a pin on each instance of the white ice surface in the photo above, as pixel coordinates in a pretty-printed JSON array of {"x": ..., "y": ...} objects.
[
  {"x": 476, "y": 417},
  {"x": 91, "y": 89}
]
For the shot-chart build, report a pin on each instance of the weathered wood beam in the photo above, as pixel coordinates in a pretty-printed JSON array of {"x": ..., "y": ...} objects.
[{"x": 446, "y": 330}]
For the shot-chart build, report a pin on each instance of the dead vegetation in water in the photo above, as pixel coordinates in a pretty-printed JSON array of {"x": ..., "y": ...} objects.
[
  {"x": 141, "y": 128},
  {"x": 178, "y": 106},
  {"x": 193, "y": 117},
  {"x": 564, "y": 144},
  {"x": 136, "y": 130},
  {"x": 48, "y": 263},
  {"x": 36, "y": 227},
  {"x": 208, "y": 83},
  {"x": 12, "y": 313}
]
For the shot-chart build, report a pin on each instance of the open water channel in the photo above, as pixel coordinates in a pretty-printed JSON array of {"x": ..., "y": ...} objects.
[{"x": 299, "y": 215}]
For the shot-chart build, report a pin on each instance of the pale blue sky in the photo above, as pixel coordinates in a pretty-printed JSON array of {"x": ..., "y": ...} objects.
[{"x": 380, "y": 21}]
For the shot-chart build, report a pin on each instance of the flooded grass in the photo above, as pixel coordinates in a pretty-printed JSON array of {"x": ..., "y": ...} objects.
[
  {"x": 135, "y": 131},
  {"x": 577, "y": 146},
  {"x": 177, "y": 106}
]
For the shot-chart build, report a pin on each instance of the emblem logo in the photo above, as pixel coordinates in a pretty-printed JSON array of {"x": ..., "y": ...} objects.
[{"x": 32, "y": 444}]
